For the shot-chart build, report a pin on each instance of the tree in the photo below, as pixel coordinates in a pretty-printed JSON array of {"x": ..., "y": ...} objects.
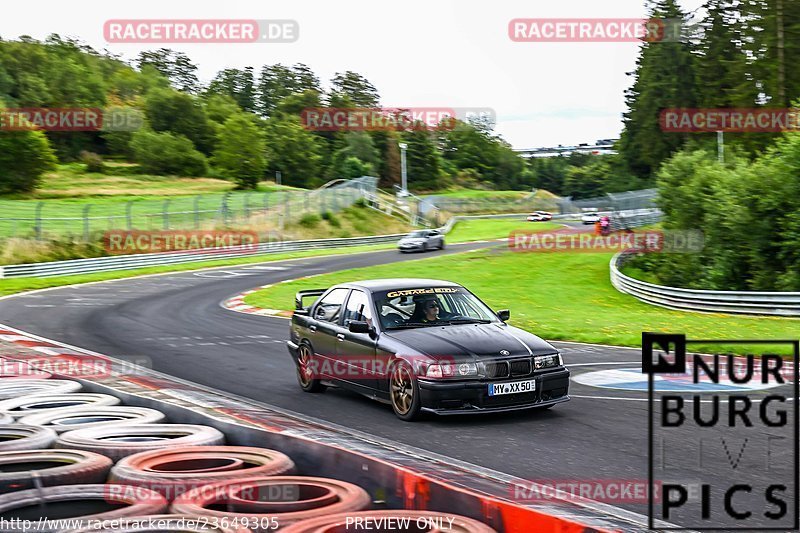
[
  {"x": 183, "y": 114},
  {"x": 587, "y": 181},
  {"x": 295, "y": 103},
  {"x": 771, "y": 31},
  {"x": 389, "y": 171},
  {"x": 423, "y": 159},
  {"x": 239, "y": 155},
  {"x": 237, "y": 83},
  {"x": 175, "y": 66},
  {"x": 664, "y": 78},
  {"x": 549, "y": 173},
  {"x": 24, "y": 157},
  {"x": 167, "y": 153},
  {"x": 352, "y": 167},
  {"x": 294, "y": 151},
  {"x": 355, "y": 86},
  {"x": 220, "y": 107},
  {"x": 279, "y": 81}
]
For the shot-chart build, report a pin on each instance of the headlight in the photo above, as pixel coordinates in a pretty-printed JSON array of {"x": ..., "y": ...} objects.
[
  {"x": 547, "y": 361},
  {"x": 450, "y": 370}
]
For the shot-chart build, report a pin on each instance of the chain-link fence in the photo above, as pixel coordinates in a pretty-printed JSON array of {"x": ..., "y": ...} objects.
[
  {"x": 80, "y": 219},
  {"x": 644, "y": 199},
  {"x": 490, "y": 204}
]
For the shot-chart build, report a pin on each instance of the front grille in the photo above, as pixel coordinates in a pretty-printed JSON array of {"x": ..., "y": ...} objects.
[
  {"x": 497, "y": 369},
  {"x": 521, "y": 367}
]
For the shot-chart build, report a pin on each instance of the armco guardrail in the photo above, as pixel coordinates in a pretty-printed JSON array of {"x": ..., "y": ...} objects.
[
  {"x": 124, "y": 262},
  {"x": 735, "y": 302}
]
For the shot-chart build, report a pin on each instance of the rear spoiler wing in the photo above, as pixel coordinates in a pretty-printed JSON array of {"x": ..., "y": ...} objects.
[{"x": 298, "y": 297}]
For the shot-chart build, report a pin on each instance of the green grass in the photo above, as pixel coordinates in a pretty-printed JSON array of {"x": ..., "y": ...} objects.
[
  {"x": 122, "y": 182},
  {"x": 67, "y": 194},
  {"x": 559, "y": 296},
  {"x": 16, "y": 285},
  {"x": 482, "y": 229}
]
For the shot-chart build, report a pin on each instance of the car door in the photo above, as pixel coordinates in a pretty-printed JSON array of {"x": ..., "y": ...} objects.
[
  {"x": 357, "y": 350},
  {"x": 436, "y": 239},
  {"x": 327, "y": 316}
]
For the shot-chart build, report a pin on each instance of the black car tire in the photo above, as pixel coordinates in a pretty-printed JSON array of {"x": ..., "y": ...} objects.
[
  {"x": 308, "y": 384},
  {"x": 406, "y": 404},
  {"x": 425, "y": 247},
  {"x": 441, "y": 246}
]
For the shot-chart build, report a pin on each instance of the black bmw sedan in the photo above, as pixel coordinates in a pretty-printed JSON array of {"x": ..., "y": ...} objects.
[{"x": 422, "y": 345}]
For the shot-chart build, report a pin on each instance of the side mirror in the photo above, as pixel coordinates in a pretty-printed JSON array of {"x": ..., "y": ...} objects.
[
  {"x": 359, "y": 327},
  {"x": 504, "y": 314}
]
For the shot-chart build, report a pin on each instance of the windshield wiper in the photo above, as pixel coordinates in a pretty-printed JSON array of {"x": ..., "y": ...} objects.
[
  {"x": 469, "y": 321},
  {"x": 414, "y": 325}
]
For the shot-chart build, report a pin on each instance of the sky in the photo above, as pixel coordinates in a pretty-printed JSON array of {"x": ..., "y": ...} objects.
[{"x": 417, "y": 53}]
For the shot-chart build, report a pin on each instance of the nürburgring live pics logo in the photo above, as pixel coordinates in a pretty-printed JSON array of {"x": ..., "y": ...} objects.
[{"x": 724, "y": 459}]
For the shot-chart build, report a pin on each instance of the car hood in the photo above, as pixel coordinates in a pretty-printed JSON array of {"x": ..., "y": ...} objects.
[
  {"x": 412, "y": 240},
  {"x": 471, "y": 341}
]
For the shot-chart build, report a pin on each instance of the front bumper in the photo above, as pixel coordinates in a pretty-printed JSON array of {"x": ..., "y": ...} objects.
[
  {"x": 292, "y": 346},
  {"x": 461, "y": 397},
  {"x": 406, "y": 247}
]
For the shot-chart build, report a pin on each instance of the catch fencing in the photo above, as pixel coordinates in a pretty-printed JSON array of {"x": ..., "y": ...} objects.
[{"x": 83, "y": 221}]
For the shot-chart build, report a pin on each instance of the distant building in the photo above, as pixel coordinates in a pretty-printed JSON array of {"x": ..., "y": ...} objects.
[{"x": 601, "y": 147}]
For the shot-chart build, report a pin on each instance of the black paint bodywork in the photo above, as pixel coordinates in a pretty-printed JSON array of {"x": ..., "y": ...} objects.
[{"x": 481, "y": 344}]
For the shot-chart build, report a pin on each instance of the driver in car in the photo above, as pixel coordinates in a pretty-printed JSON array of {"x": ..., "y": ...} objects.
[{"x": 426, "y": 309}]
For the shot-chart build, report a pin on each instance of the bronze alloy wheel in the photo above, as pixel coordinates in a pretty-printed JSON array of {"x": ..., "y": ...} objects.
[{"x": 404, "y": 392}]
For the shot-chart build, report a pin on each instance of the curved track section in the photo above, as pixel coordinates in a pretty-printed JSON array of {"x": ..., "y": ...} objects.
[{"x": 176, "y": 322}]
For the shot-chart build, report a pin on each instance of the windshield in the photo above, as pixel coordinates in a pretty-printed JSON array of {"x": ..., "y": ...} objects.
[
  {"x": 416, "y": 234},
  {"x": 430, "y": 306}
]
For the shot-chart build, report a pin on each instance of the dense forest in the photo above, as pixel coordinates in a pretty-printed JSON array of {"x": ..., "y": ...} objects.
[
  {"x": 747, "y": 203},
  {"x": 245, "y": 124}
]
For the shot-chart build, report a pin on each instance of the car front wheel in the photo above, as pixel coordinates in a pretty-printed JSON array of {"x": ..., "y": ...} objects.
[
  {"x": 404, "y": 392},
  {"x": 305, "y": 370}
]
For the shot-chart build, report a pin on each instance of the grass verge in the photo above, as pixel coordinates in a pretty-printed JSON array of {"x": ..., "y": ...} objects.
[
  {"x": 559, "y": 296},
  {"x": 494, "y": 228}
]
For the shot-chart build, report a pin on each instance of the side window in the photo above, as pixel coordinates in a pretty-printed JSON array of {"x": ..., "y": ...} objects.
[
  {"x": 357, "y": 309},
  {"x": 328, "y": 309}
]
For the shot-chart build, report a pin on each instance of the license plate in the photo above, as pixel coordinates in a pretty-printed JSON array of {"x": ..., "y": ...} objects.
[{"x": 514, "y": 387}]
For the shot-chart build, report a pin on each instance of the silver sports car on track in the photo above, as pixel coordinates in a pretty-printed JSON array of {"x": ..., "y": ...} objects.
[{"x": 422, "y": 345}]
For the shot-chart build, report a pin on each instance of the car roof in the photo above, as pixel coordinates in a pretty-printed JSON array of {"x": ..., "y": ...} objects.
[{"x": 397, "y": 283}]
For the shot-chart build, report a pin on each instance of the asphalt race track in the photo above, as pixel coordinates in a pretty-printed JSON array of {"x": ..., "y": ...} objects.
[{"x": 176, "y": 320}]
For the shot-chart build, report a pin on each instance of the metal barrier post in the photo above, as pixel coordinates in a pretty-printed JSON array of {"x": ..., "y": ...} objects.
[
  {"x": 197, "y": 212},
  {"x": 129, "y": 214},
  {"x": 165, "y": 213},
  {"x": 86, "y": 209},
  {"x": 38, "y": 216}
]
